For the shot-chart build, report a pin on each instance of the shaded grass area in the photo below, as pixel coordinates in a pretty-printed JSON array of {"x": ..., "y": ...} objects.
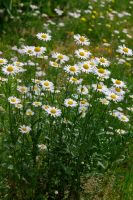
[{"x": 117, "y": 182}]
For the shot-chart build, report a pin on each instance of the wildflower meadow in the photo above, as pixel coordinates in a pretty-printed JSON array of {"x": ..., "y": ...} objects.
[{"x": 66, "y": 85}]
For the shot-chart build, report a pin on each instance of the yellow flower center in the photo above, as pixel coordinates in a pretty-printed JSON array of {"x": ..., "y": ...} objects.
[
  {"x": 30, "y": 51},
  {"x": 125, "y": 50},
  {"x": 82, "y": 89},
  {"x": 117, "y": 89},
  {"x": 46, "y": 84},
  {"x": 118, "y": 82},
  {"x": 82, "y": 39},
  {"x": 123, "y": 118},
  {"x": 1, "y": 61},
  {"x": 99, "y": 87},
  {"x": 29, "y": 112},
  {"x": 24, "y": 129},
  {"x": 113, "y": 96},
  {"x": 74, "y": 79},
  {"x": 60, "y": 57},
  {"x": 37, "y": 103},
  {"x": 44, "y": 36},
  {"x": 83, "y": 102},
  {"x": 53, "y": 111},
  {"x": 37, "y": 81},
  {"x": 85, "y": 66},
  {"x": 102, "y": 60},
  {"x": 55, "y": 64},
  {"x": 70, "y": 102},
  {"x": 101, "y": 70},
  {"x": 81, "y": 53},
  {"x": 23, "y": 89},
  {"x": 17, "y": 63},
  {"x": 92, "y": 63},
  {"x": 72, "y": 68},
  {"x": 10, "y": 68},
  {"x": 13, "y": 100},
  {"x": 37, "y": 49},
  {"x": 35, "y": 87}
]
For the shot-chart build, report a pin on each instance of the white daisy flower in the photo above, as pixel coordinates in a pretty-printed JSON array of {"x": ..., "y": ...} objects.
[
  {"x": 124, "y": 50},
  {"x": 82, "y": 89},
  {"x": 34, "y": 7},
  {"x": 34, "y": 51},
  {"x": 19, "y": 105},
  {"x": 114, "y": 97},
  {"x": 86, "y": 67},
  {"x": 104, "y": 101},
  {"x": 131, "y": 96},
  {"x": 42, "y": 146},
  {"x": 14, "y": 100},
  {"x": 123, "y": 118},
  {"x": 39, "y": 50},
  {"x": 72, "y": 69},
  {"x": 75, "y": 80},
  {"x": 83, "y": 54},
  {"x": 47, "y": 85},
  {"x": 24, "y": 129},
  {"x": 44, "y": 36},
  {"x": 74, "y": 14},
  {"x": 100, "y": 87},
  {"x": 54, "y": 111},
  {"x": 121, "y": 61},
  {"x": 130, "y": 109},
  {"x": 61, "y": 24},
  {"x": 54, "y": 64},
  {"x": 81, "y": 40},
  {"x": 35, "y": 89},
  {"x": 36, "y": 103},
  {"x": 18, "y": 64},
  {"x": 10, "y": 70},
  {"x": 102, "y": 73},
  {"x": 121, "y": 131},
  {"x": 36, "y": 81},
  {"x": 22, "y": 89},
  {"x": 3, "y": 61},
  {"x": 70, "y": 103},
  {"x": 118, "y": 91},
  {"x": 93, "y": 62},
  {"x": 45, "y": 107},
  {"x": 83, "y": 110},
  {"x": 20, "y": 69},
  {"x": 58, "y": 11},
  {"x": 118, "y": 83},
  {"x": 60, "y": 57},
  {"x": 40, "y": 73},
  {"x": 84, "y": 103},
  {"x": 3, "y": 79},
  {"x": 29, "y": 50},
  {"x": 29, "y": 112},
  {"x": 103, "y": 61},
  {"x": 115, "y": 113}
]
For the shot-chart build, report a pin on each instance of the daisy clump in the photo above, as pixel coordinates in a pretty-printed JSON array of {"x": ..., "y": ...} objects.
[{"x": 70, "y": 110}]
